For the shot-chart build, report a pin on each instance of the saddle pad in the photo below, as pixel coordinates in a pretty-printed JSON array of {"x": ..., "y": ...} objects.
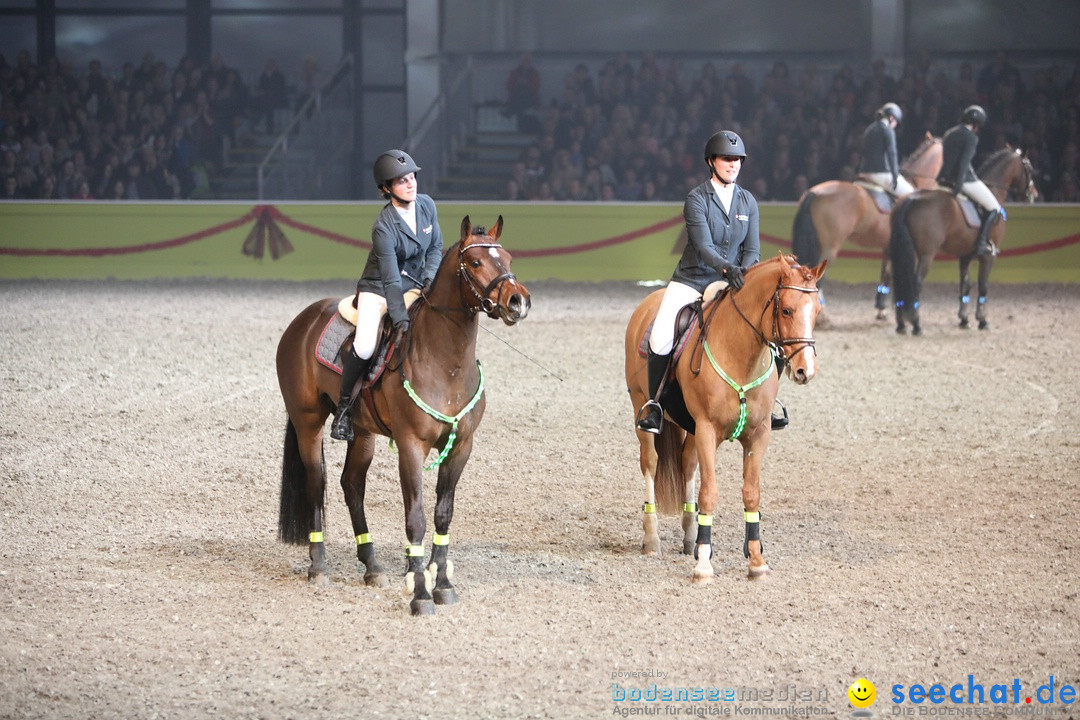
[
  {"x": 971, "y": 213},
  {"x": 334, "y": 335},
  {"x": 882, "y": 200}
]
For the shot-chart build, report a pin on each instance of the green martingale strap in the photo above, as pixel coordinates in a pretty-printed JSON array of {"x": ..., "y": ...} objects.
[
  {"x": 452, "y": 421},
  {"x": 741, "y": 389}
]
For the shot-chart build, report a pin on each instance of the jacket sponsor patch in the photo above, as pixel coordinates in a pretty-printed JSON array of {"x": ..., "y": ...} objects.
[
  {"x": 427, "y": 230},
  {"x": 743, "y": 218}
]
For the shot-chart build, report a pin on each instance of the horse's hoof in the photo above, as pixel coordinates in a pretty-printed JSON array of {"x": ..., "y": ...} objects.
[
  {"x": 701, "y": 579},
  {"x": 761, "y": 572},
  {"x": 964, "y": 324},
  {"x": 983, "y": 325},
  {"x": 651, "y": 547},
  {"x": 901, "y": 330},
  {"x": 319, "y": 578},
  {"x": 445, "y": 596},
  {"x": 916, "y": 331},
  {"x": 881, "y": 316},
  {"x": 688, "y": 547},
  {"x": 422, "y": 607},
  {"x": 376, "y": 580}
]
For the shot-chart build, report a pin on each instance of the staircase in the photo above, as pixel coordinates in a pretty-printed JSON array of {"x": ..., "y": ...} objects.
[
  {"x": 482, "y": 165},
  {"x": 238, "y": 179}
]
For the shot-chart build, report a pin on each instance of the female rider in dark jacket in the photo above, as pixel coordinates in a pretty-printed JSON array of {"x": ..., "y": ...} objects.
[{"x": 406, "y": 248}]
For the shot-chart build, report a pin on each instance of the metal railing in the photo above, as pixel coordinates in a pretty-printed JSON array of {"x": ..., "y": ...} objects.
[{"x": 309, "y": 159}]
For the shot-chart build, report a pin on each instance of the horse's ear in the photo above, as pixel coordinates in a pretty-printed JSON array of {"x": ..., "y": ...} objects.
[
  {"x": 466, "y": 227},
  {"x": 496, "y": 231},
  {"x": 820, "y": 269},
  {"x": 929, "y": 135}
]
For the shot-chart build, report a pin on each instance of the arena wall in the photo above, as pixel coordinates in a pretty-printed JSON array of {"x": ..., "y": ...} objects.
[{"x": 569, "y": 242}]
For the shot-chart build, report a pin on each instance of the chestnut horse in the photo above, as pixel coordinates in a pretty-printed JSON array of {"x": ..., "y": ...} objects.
[
  {"x": 745, "y": 337},
  {"x": 429, "y": 397},
  {"x": 932, "y": 221},
  {"x": 833, "y": 212}
]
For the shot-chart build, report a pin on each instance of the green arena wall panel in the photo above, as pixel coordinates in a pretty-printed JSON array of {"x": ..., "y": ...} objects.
[{"x": 579, "y": 242}]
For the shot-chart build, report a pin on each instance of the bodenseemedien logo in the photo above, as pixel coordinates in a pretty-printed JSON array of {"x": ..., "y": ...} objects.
[{"x": 862, "y": 695}]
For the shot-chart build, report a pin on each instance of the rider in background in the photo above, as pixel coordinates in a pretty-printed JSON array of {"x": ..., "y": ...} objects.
[
  {"x": 406, "y": 249},
  {"x": 879, "y": 163},
  {"x": 722, "y": 241},
  {"x": 957, "y": 151}
]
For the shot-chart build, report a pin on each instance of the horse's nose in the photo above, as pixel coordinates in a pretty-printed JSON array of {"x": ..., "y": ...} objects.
[{"x": 517, "y": 307}]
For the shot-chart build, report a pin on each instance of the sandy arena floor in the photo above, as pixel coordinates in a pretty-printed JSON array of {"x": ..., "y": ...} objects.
[{"x": 920, "y": 519}]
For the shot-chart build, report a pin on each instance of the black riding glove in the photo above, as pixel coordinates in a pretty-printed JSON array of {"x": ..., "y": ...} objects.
[
  {"x": 400, "y": 328},
  {"x": 733, "y": 274}
]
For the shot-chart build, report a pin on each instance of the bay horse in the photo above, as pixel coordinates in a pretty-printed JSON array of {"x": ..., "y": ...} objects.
[
  {"x": 932, "y": 221},
  {"x": 834, "y": 212},
  {"x": 746, "y": 336},
  {"x": 429, "y": 397}
]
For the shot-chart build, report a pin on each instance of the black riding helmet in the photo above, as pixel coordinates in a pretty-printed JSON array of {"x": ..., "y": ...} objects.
[
  {"x": 891, "y": 109},
  {"x": 391, "y": 165},
  {"x": 725, "y": 142},
  {"x": 974, "y": 114}
]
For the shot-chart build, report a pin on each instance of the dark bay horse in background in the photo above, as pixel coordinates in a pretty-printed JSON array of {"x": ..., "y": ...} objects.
[
  {"x": 429, "y": 397},
  {"x": 932, "y": 221},
  {"x": 836, "y": 211},
  {"x": 743, "y": 336}
]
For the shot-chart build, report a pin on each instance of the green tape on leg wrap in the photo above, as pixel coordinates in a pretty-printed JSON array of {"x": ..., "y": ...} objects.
[
  {"x": 438, "y": 539},
  {"x": 649, "y": 508},
  {"x": 363, "y": 538},
  {"x": 414, "y": 551}
]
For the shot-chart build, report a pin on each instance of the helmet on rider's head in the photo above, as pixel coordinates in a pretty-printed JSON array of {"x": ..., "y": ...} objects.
[
  {"x": 725, "y": 142},
  {"x": 391, "y": 165},
  {"x": 891, "y": 109},
  {"x": 974, "y": 114}
]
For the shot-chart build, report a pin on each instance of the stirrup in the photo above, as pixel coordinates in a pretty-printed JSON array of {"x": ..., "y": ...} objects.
[
  {"x": 342, "y": 427},
  {"x": 779, "y": 422},
  {"x": 650, "y": 417}
]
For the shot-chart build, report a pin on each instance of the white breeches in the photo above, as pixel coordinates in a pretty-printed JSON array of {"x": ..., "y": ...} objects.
[
  {"x": 370, "y": 307},
  {"x": 977, "y": 191},
  {"x": 903, "y": 187},
  {"x": 676, "y": 297}
]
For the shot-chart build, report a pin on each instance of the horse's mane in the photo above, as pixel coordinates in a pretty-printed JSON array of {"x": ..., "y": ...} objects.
[
  {"x": 999, "y": 157},
  {"x": 924, "y": 146}
]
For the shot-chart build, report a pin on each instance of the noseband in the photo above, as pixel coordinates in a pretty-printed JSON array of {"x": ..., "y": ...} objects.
[{"x": 486, "y": 304}]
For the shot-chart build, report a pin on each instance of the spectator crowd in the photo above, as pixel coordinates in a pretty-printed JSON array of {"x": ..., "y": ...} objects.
[
  {"x": 636, "y": 130},
  {"x": 148, "y": 133},
  {"x": 633, "y": 132}
]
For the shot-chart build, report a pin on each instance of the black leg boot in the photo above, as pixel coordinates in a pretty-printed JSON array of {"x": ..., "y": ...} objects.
[
  {"x": 352, "y": 367},
  {"x": 651, "y": 416},
  {"x": 779, "y": 422},
  {"x": 982, "y": 244}
]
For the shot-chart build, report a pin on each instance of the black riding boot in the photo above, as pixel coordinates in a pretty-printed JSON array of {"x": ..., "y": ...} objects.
[
  {"x": 982, "y": 244},
  {"x": 651, "y": 416},
  {"x": 352, "y": 367}
]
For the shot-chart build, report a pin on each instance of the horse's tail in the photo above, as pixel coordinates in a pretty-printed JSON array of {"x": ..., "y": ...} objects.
[
  {"x": 295, "y": 511},
  {"x": 902, "y": 255},
  {"x": 668, "y": 483},
  {"x": 804, "y": 238}
]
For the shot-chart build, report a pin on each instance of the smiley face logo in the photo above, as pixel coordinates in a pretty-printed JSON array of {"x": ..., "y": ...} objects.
[{"x": 862, "y": 693}]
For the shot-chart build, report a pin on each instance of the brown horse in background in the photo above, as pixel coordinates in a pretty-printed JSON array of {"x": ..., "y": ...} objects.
[
  {"x": 932, "y": 221},
  {"x": 836, "y": 211},
  {"x": 429, "y": 397},
  {"x": 746, "y": 336}
]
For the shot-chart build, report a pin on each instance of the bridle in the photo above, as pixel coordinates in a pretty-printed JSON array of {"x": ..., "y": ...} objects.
[
  {"x": 488, "y": 305},
  {"x": 780, "y": 346}
]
